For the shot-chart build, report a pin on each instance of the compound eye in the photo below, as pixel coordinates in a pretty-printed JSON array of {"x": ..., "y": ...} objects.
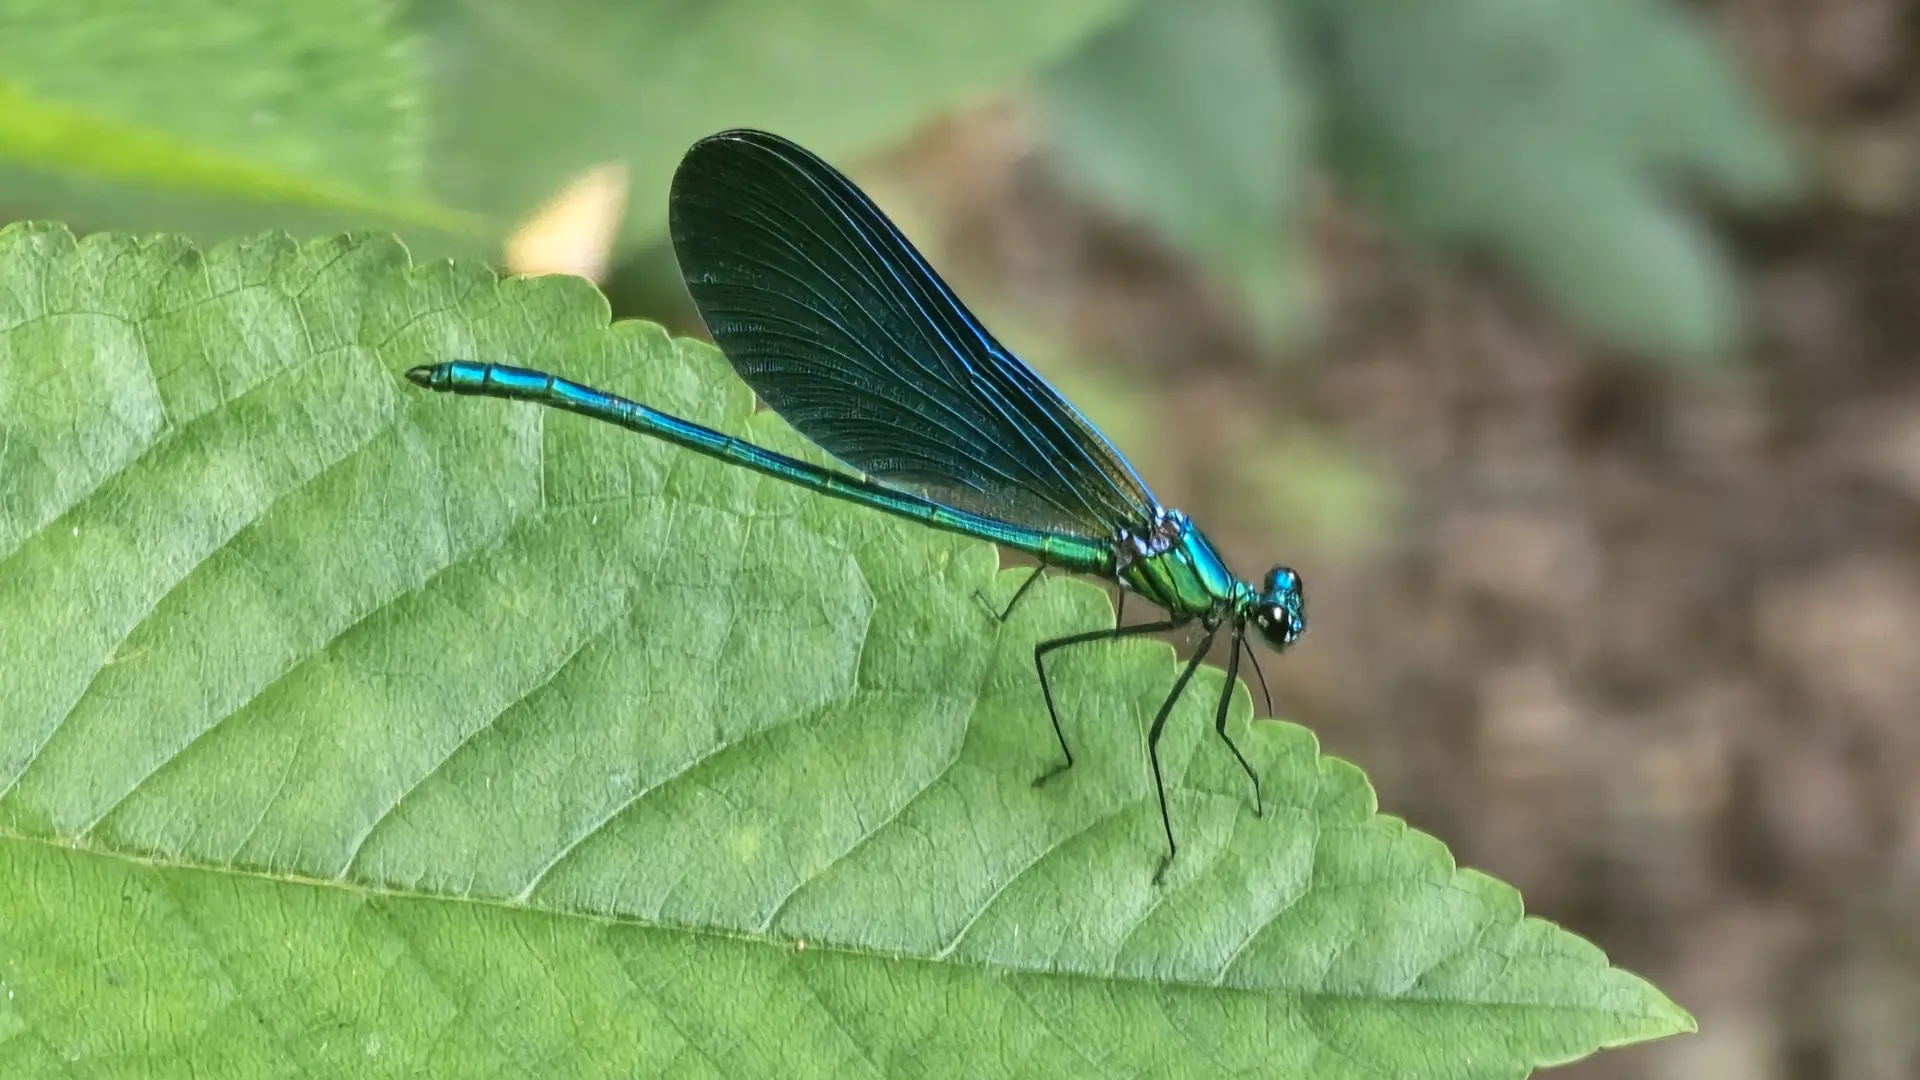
[{"x": 1277, "y": 621}]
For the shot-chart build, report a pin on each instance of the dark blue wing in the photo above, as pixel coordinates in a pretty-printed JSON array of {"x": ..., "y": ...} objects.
[{"x": 843, "y": 329}]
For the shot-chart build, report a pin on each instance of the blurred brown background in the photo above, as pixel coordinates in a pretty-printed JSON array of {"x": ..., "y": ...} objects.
[{"x": 1644, "y": 642}]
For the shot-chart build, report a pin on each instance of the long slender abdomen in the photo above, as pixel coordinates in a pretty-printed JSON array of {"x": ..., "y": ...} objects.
[{"x": 1077, "y": 554}]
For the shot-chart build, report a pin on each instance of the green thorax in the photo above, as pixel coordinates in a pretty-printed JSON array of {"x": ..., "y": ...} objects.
[{"x": 1175, "y": 566}]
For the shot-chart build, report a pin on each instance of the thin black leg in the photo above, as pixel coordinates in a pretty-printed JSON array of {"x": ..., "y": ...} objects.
[
  {"x": 1001, "y": 615},
  {"x": 1119, "y": 608},
  {"x": 1220, "y": 721},
  {"x": 1153, "y": 747},
  {"x": 1255, "y": 661},
  {"x": 1046, "y": 691}
]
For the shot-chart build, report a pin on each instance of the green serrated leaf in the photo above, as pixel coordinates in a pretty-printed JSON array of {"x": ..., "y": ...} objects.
[
  {"x": 1193, "y": 118},
  {"x": 306, "y": 105},
  {"x": 1552, "y": 133},
  {"x": 351, "y": 730}
]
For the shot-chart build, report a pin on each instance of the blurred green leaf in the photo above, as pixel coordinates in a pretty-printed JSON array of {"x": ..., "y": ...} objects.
[
  {"x": 309, "y": 105},
  {"x": 356, "y": 731},
  {"x": 1193, "y": 119},
  {"x": 526, "y": 95},
  {"x": 1554, "y": 133},
  {"x": 453, "y": 118},
  {"x": 1557, "y": 134}
]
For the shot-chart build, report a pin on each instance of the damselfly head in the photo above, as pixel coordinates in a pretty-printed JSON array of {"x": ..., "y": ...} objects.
[{"x": 1280, "y": 611}]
